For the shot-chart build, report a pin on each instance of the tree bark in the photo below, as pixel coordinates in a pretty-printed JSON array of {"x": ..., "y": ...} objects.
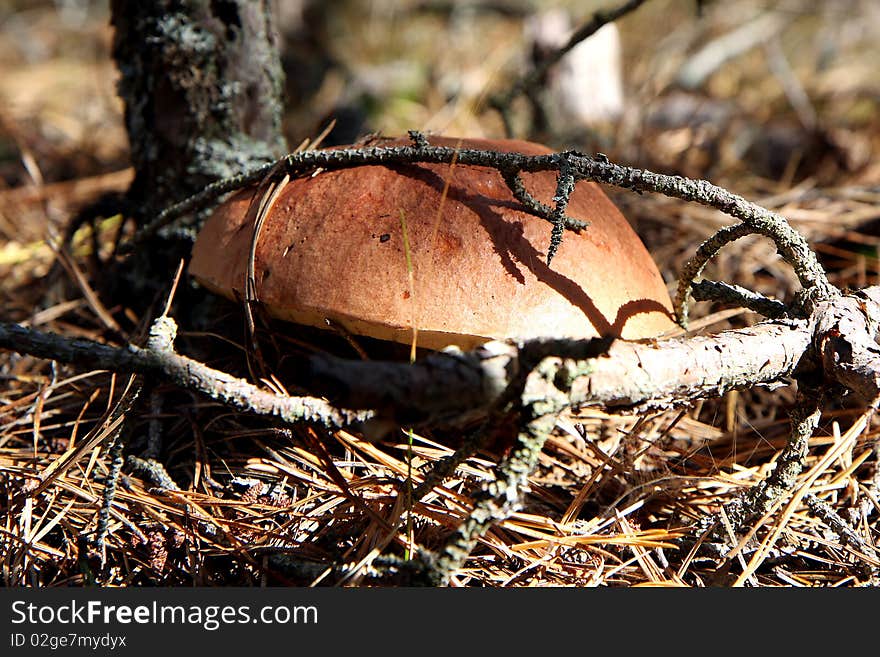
[{"x": 202, "y": 85}]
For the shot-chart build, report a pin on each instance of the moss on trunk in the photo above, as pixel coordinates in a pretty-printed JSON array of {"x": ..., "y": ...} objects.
[{"x": 202, "y": 85}]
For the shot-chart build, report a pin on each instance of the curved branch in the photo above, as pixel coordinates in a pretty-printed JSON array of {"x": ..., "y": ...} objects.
[
  {"x": 694, "y": 267},
  {"x": 789, "y": 243}
]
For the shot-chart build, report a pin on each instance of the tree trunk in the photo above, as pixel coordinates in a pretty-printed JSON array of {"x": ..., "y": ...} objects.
[{"x": 202, "y": 85}]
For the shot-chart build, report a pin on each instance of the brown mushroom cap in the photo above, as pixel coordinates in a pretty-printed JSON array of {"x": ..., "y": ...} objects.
[{"x": 332, "y": 247}]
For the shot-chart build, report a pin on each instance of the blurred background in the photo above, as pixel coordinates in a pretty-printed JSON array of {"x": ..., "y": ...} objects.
[{"x": 777, "y": 101}]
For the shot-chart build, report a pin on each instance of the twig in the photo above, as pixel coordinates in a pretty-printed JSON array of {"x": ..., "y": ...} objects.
[
  {"x": 791, "y": 245},
  {"x": 792, "y": 87},
  {"x": 630, "y": 376},
  {"x": 717, "y": 52},
  {"x": 445, "y": 467},
  {"x": 154, "y": 471},
  {"x": 520, "y": 193},
  {"x": 115, "y": 449},
  {"x": 759, "y": 499},
  {"x": 740, "y": 296},
  {"x": 564, "y": 188},
  {"x": 838, "y": 525},
  {"x": 527, "y": 84},
  {"x": 544, "y": 396},
  {"x": 694, "y": 267},
  {"x": 159, "y": 358},
  {"x": 454, "y": 387}
]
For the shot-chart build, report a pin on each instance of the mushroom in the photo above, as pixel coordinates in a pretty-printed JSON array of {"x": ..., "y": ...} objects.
[{"x": 381, "y": 251}]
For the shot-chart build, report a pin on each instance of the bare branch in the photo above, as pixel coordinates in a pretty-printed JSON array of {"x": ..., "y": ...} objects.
[
  {"x": 759, "y": 499},
  {"x": 501, "y": 102},
  {"x": 520, "y": 193},
  {"x": 789, "y": 243},
  {"x": 160, "y": 359},
  {"x": 564, "y": 188},
  {"x": 822, "y": 510},
  {"x": 629, "y": 376},
  {"x": 452, "y": 387},
  {"x": 694, "y": 267},
  {"x": 740, "y": 296},
  {"x": 543, "y": 396}
]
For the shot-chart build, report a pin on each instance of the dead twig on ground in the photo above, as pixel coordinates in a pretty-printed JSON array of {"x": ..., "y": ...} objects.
[{"x": 821, "y": 334}]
